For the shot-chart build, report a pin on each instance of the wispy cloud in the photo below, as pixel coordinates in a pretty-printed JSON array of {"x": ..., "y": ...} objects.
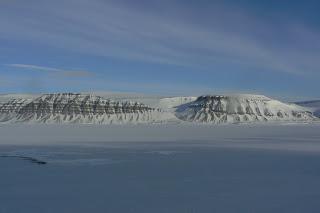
[
  {"x": 222, "y": 35},
  {"x": 213, "y": 45},
  {"x": 56, "y": 71}
]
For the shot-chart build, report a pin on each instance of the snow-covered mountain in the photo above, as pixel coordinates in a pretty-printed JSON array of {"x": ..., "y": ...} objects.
[
  {"x": 313, "y": 105},
  {"x": 76, "y": 108},
  {"x": 85, "y": 108},
  {"x": 241, "y": 108}
]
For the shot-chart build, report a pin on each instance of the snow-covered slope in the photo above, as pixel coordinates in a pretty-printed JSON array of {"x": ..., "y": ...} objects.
[
  {"x": 313, "y": 105},
  {"x": 7, "y": 97},
  {"x": 241, "y": 108},
  {"x": 76, "y": 108},
  {"x": 173, "y": 102},
  {"x": 84, "y": 108}
]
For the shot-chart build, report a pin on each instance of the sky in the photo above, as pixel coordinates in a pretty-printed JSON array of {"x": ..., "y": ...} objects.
[{"x": 169, "y": 47}]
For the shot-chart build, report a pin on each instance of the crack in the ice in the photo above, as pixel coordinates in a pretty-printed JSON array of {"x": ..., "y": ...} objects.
[{"x": 30, "y": 159}]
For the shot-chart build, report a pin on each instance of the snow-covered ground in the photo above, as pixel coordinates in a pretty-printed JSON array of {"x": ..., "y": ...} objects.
[{"x": 159, "y": 168}]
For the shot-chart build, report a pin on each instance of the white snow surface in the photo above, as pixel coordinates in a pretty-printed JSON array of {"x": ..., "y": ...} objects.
[{"x": 159, "y": 168}]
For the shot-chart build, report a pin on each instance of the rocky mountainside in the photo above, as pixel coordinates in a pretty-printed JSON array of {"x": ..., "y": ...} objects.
[
  {"x": 92, "y": 109},
  {"x": 76, "y": 108},
  {"x": 242, "y": 108}
]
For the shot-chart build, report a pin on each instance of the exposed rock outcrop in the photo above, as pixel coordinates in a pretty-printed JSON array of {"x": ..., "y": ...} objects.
[
  {"x": 76, "y": 108},
  {"x": 242, "y": 108}
]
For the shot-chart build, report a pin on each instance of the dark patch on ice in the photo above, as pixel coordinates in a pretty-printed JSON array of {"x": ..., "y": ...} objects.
[
  {"x": 30, "y": 159},
  {"x": 167, "y": 152}
]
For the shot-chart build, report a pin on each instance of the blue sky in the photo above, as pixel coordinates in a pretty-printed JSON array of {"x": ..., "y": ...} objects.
[{"x": 169, "y": 47}]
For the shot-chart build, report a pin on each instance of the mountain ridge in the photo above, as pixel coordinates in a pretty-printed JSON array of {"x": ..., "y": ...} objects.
[
  {"x": 75, "y": 108},
  {"x": 314, "y": 105},
  {"x": 94, "y": 109}
]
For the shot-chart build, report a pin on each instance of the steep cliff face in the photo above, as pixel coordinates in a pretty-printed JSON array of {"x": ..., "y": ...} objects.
[
  {"x": 11, "y": 109},
  {"x": 76, "y": 108},
  {"x": 243, "y": 108}
]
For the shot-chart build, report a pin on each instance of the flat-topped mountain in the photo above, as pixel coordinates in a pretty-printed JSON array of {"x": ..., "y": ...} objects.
[
  {"x": 75, "y": 108},
  {"x": 241, "y": 108}
]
